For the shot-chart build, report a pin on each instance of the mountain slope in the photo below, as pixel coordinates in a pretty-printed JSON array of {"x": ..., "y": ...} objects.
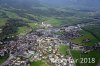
[
  {"x": 20, "y": 3},
  {"x": 74, "y": 3},
  {"x": 80, "y": 4}
]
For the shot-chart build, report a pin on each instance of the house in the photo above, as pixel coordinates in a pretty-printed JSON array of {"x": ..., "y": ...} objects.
[{"x": 1, "y": 53}]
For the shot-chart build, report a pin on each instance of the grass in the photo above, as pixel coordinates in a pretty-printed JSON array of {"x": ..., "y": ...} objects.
[
  {"x": 86, "y": 35},
  {"x": 71, "y": 20},
  {"x": 53, "y": 21},
  {"x": 2, "y": 21},
  {"x": 33, "y": 25},
  {"x": 39, "y": 63},
  {"x": 93, "y": 54},
  {"x": 16, "y": 16},
  {"x": 94, "y": 30},
  {"x": 63, "y": 50},
  {"x": 3, "y": 58},
  {"x": 58, "y": 21},
  {"x": 11, "y": 14},
  {"x": 23, "y": 30}
]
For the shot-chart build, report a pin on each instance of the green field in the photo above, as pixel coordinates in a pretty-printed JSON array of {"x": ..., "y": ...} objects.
[
  {"x": 3, "y": 59},
  {"x": 61, "y": 21},
  {"x": 85, "y": 35},
  {"x": 68, "y": 20},
  {"x": 33, "y": 25},
  {"x": 63, "y": 49},
  {"x": 11, "y": 14},
  {"x": 93, "y": 54},
  {"x": 23, "y": 30},
  {"x": 95, "y": 30},
  {"x": 53, "y": 21},
  {"x": 2, "y": 21},
  {"x": 39, "y": 63}
]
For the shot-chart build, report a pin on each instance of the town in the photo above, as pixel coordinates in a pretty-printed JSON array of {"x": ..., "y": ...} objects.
[{"x": 45, "y": 44}]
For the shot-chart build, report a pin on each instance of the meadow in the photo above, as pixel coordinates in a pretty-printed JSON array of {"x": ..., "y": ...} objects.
[
  {"x": 85, "y": 35},
  {"x": 93, "y": 58}
]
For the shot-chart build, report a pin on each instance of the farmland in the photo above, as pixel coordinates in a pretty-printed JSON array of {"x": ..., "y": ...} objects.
[{"x": 85, "y": 35}]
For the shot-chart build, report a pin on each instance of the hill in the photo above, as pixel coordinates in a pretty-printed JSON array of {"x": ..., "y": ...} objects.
[
  {"x": 79, "y": 4},
  {"x": 20, "y": 3}
]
